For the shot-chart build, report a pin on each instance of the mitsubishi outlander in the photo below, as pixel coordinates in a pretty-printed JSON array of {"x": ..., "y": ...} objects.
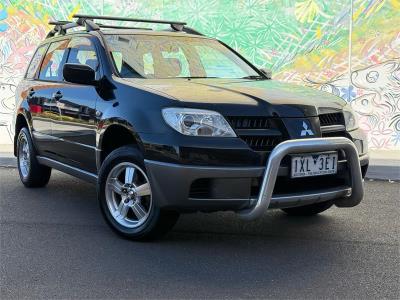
[{"x": 170, "y": 121}]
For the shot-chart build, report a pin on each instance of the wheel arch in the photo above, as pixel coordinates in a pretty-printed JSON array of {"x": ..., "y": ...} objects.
[
  {"x": 114, "y": 134},
  {"x": 21, "y": 121}
]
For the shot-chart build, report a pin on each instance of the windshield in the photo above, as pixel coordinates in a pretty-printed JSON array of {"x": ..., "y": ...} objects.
[{"x": 152, "y": 56}]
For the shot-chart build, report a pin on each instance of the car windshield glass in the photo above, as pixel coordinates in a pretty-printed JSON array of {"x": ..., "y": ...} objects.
[{"x": 155, "y": 56}]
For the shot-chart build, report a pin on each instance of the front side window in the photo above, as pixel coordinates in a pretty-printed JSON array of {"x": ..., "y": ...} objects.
[
  {"x": 82, "y": 51},
  {"x": 153, "y": 56},
  {"x": 35, "y": 62},
  {"x": 52, "y": 65}
]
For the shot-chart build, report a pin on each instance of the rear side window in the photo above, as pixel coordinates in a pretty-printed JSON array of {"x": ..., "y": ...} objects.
[
  {"x": 35, "y": 62},
  {"x": 52, "y": 65}
]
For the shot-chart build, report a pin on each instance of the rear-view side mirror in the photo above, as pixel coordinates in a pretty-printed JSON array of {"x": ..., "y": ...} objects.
[
  {"x": 78, "y": 73},
  {"x": 267, "y": 73}
]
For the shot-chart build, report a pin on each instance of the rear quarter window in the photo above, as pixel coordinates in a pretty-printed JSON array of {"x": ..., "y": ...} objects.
[{"x": 35, "y": 62}]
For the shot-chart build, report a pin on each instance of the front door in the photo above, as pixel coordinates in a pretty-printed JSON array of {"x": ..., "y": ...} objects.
[{"x": 75, "y": 129}]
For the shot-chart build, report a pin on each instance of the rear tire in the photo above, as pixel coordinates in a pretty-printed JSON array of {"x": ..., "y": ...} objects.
[
  {"x": 31, "y": 173},
  {"x": 308, "y": 210},
  {"x": 124, "y": 194}
]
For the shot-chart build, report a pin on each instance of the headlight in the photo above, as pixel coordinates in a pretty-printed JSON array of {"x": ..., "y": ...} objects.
[
  {"x": 197, "y": 122},
  {"x": 350, "y": 118}
]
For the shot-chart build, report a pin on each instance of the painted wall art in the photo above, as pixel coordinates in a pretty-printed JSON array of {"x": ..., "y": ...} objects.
[{"x": 350, "y": 48}]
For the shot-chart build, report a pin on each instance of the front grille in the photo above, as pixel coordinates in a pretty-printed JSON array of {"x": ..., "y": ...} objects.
[
  {"x": 250, "y": 122},
  {"x": 331, "y": 119},
  {"x": 262, "y": 143},
  {"x": 260, "y": 133}
]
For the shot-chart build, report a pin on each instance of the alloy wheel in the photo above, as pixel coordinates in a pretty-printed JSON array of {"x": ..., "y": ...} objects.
[
  {"x": 128, "y": 195},
  {"x": 24, "y": 156}
]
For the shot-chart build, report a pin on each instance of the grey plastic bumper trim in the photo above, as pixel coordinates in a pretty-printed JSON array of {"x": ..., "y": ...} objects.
[
  {"x": 307, "y": 146},
  {"x": 332, "y": 128},
  {"x": 300, "y": 199},
  {"x": 292, "y": 200}
]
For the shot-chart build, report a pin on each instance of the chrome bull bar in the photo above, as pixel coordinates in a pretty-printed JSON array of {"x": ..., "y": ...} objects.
[{"x": 300, "y": 146}]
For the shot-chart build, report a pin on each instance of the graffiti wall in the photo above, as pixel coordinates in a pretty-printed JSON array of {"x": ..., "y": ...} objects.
[{"x": 347, "y": 47}]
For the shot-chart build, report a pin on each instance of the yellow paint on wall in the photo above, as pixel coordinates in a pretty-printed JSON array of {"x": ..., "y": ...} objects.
[
  {"x": 357, "y": 13},
  {"x": 11, "y": 10},
  {"x": 318, "y": 33},
  {"x": 74, "y": 11},
  {"x": 375, "y": 7},
  {"x": 372, "y": 9},
  {"x": 395, "y": 4}
]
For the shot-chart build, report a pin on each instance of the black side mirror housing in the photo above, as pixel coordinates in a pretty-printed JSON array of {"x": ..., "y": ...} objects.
[
  {"x": 267, "y": 73},
  {"x": 78, "y": 73}
]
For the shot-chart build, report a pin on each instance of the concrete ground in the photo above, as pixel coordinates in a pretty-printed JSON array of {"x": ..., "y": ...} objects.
[
  {"x": 384, "y": 164},
  {"x": 55, "y": 244}
]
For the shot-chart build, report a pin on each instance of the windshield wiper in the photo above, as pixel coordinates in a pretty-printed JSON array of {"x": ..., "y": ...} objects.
[
  {"x": 196, "y": 77},
  {"x": 253, "y": 77}
]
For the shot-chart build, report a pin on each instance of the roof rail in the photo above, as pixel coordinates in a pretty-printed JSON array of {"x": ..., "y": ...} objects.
[
  {"x": 100, "y": 25},
  {"x": 122, "y": 27},
  {"x": 61, "y": 27},
  {"x": 191, "y": 31}
]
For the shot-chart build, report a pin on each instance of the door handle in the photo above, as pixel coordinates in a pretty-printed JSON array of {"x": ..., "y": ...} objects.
[
  {"x": 58, "y": 95},
  {"x": 31, "y": 93}
]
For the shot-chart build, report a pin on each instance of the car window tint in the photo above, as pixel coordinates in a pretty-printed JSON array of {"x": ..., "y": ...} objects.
[
  {"x": 35, "y": 62},
  {"x": 52, "y": 66},
  {"x": 82, "y": 51}
]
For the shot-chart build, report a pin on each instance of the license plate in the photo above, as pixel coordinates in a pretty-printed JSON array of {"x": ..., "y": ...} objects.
[{"x": 314, "y": 165}]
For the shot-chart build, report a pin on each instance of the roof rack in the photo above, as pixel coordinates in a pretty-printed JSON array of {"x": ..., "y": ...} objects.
[
  {"x": 100, "y": 25},
  {"x": 87, "y": 21},
  {"x": 61, "y": 27},
  {"x": 91, "y": 17}
]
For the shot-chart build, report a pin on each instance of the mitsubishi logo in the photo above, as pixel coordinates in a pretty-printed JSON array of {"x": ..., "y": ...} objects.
[{"x": 305, "y": 130}]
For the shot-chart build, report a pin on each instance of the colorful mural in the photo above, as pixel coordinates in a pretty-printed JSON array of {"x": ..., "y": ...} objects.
[{"x": 347, "y": 47}]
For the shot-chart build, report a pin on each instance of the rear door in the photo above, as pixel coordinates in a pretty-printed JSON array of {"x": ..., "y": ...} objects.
[
  {"x": 75, "y": 129},
  {"x": 40, "y": 94},
  {"x": 30, "y": 88}
]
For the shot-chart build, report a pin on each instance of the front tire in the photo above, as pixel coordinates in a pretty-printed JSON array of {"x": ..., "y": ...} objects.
[
  {"x": 31, "y": 173},
  {"x": 308, "y": 210},
  {"x": 124, "y": 194}
]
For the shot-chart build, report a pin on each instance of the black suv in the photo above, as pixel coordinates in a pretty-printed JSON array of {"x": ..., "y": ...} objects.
[{"x": 171, "y": 121}]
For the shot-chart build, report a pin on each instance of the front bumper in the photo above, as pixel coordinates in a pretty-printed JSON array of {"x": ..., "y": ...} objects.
[{"x": 232, "y": 188}]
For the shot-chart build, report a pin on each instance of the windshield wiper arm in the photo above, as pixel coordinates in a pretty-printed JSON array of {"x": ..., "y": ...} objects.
[
  {"x": 196, "y": 77},
  {"x": 253, "y": 77}
]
